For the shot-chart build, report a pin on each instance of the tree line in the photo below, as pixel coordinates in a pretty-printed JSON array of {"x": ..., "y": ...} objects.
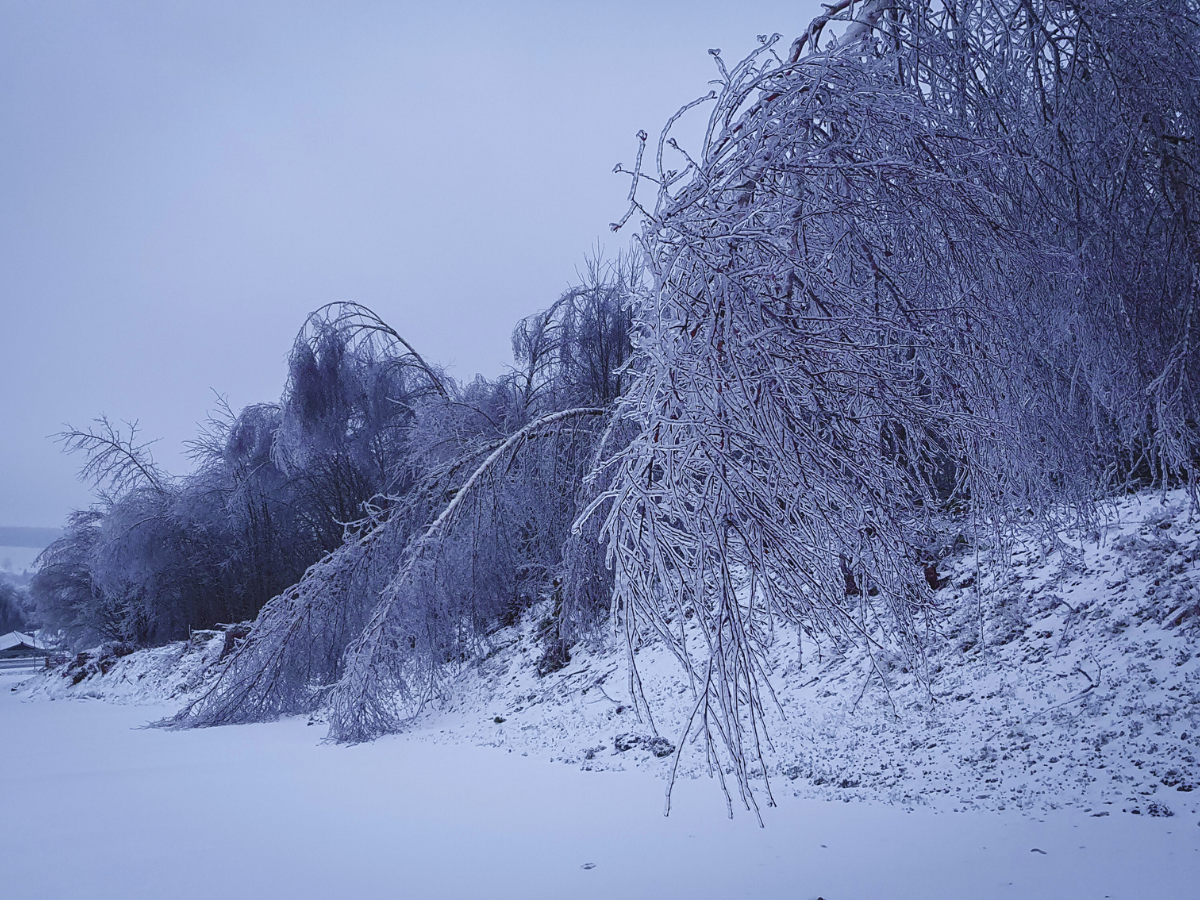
[{"x": 366, "y": 431}]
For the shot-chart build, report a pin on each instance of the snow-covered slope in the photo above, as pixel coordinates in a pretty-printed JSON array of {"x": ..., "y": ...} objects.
[
  {"x": 1063, "y": 677},
  {"x": 117, "y": 674},
  {"x": 105, "y": 809}
]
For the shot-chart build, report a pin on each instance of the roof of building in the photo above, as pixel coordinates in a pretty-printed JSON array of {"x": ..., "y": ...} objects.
[{"x": 16, "y": 639}]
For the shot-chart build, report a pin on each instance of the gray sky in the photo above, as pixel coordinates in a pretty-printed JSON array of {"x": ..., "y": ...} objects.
[{"x": 183, "y": 182}]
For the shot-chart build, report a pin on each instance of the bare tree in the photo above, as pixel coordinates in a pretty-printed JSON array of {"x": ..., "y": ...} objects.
[{"x": 114, "y": 461}]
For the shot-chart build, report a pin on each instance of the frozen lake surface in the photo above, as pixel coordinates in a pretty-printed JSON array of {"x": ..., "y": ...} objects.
[{"x": 97, "y": 806}]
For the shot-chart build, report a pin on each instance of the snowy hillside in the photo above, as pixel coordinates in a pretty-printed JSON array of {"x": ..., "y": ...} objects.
[
  {"x": 1084, "y": 690},
  {"x": 1062, "y": 678},
  {"x": 1058, "y": 730}
]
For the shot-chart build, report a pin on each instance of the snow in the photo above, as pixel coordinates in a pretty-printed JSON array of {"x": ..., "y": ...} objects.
[
  {"x": 1052, "y": 755},
  {"x": 105, "y": 809},
  {"x": 1082, "y": 691},
  {"x": 15, "y": 639}
]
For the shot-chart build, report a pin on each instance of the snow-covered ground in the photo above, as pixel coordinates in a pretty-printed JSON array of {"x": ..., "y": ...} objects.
[
  {"x": 1058, "y": 683},
  {"x": 1051, "y": 753},
  {"x": 98, "y": 807}
]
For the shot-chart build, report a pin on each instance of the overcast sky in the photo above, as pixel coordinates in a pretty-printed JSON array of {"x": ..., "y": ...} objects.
[{"x": 181, "y": 183}]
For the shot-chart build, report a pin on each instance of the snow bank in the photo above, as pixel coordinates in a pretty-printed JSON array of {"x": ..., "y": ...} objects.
[
  {"x": 114, "y": 672},
  {"x": 101, "y": 808},
  {"x": 1065, "y": 677}
]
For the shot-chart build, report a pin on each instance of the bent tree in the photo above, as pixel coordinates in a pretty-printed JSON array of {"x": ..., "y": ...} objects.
[
  {"x": 877, "y": 300},
  {"x": 479, "y": 487}
]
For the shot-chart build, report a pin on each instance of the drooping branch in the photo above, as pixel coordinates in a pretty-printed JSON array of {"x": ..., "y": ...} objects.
[
  {"x": 323, "y": 639},
  {"x": 362, "y": 704},
  {"x": 357, "y": 317}
]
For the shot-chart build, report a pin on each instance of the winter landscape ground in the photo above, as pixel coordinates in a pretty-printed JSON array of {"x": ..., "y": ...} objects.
[
  {"x": 1051, "y": 752},
  {"x": 856, "y": 500}
]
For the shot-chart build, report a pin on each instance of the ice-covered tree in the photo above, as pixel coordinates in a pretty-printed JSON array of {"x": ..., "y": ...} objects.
[
  {"x": 935, "y": 261},
  {"x": 352, "y": 384},
  {"x": 68, "y": 602},
  {"x": 942, "y": 260},
  {"x": 496, "y": 476}
]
